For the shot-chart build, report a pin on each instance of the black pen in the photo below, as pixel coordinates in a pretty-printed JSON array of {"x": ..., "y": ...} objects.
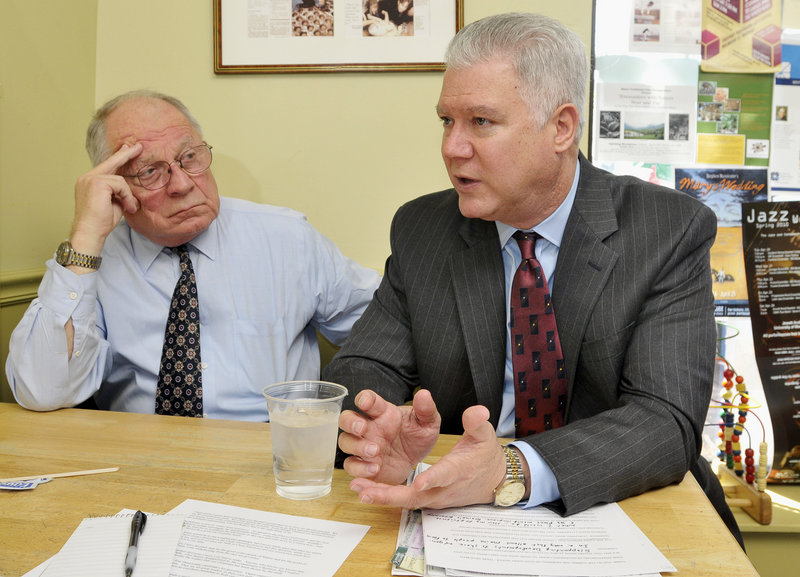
[{"x": 137, "y": 527}]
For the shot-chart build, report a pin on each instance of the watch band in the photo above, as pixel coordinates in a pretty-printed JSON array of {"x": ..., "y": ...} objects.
[
  {"x": 512, "y": 489},
  {"x": 513, "y": 466},
  {"x": 66, "y": 255},
  {"x": 85, "y": 260}
]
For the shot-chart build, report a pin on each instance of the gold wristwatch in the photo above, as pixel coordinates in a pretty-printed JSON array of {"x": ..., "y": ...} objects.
[
  {"x": 512, "y": 489},
  {"x": 66, "y": 255}
]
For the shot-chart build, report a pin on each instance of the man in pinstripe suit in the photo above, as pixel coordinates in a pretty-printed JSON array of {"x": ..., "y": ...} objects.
[{"x": 628, "y": 267}]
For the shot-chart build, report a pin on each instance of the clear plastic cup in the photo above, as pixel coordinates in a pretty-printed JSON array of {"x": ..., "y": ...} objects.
[{"x": 304, "y": 418}]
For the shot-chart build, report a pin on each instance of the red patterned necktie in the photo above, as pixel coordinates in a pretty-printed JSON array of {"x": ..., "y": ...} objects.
[
  {"x": 540, "y": 385},
  {"x": 180, "y": 390}
]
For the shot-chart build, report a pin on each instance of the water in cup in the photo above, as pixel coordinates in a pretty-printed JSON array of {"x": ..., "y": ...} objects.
[{"x": 304, "y": 418}]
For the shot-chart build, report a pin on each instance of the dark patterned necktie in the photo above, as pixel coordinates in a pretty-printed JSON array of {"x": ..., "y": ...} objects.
[
  {"x": 180, "y": 390},
  {"x": 540, "y": 385}
]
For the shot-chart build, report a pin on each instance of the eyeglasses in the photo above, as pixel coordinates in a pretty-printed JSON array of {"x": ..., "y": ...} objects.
[{"x": 193, "y": 161}]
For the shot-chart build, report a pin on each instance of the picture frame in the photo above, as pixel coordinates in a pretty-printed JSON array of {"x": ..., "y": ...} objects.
[{"x": 296, "y": 36}]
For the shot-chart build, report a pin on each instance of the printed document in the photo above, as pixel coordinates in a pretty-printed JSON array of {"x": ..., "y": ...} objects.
[{"x": 237, "y": 542}]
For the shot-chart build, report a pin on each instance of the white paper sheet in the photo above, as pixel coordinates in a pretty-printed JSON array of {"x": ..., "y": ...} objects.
[
  {"x": 99, "y": 545},
  {"x": 237, "y": 542},
  {"x": 601, "y": 541},
  {"x": 645, "y": 109}
]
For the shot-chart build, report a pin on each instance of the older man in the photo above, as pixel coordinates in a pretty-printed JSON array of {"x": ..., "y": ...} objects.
[{"x": 245, "y": 286}]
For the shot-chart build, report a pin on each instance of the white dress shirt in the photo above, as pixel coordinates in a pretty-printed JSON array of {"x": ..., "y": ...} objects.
[
  {"x": 266, "y": 280},
  {"x": 544, "y": 488}
]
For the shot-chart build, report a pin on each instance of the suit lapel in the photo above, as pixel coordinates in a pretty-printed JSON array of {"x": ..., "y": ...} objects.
[
  {"x": 584, "y": 262},
  {"x": 478, "y": 284}
]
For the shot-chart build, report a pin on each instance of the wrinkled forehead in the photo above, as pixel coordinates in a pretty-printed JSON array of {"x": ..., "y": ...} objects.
[{"x": 154, "y": 123}]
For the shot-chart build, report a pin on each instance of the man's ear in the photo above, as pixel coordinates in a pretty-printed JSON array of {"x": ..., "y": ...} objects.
[{"x": 566, "y": 122}]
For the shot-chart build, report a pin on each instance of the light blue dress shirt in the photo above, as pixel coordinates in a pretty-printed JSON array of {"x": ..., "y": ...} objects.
[
  {"x": 266, "y": 280},
  {"x": 543, "y": 483}
]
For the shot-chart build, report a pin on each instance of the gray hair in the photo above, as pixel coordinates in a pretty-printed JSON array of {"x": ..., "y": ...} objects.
[
  {"x": 548, "y": 58},
  {"x": 97, "y": 144}
]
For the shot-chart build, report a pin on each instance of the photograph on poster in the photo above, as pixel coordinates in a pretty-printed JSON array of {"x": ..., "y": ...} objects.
[
  {"x": 663, "y": 26},
  {"x": 733, "y": 119}
]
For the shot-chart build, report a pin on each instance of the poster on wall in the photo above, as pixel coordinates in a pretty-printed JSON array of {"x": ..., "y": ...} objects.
[
  {"x": 724, "y": 190},
  {"x": 282, "y": 36},
  {"x": 741, "y": 36},
  {"x": 665, "y": 26},
  {"x": 771, "y": 235},
  {"x": 784, "y": 162},
  {"x": 733, "y": 119},
  {"x": 644, "y": 118}
]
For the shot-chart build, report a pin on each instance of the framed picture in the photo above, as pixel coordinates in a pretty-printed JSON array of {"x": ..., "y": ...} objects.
[{"x": 279, "y": 36}]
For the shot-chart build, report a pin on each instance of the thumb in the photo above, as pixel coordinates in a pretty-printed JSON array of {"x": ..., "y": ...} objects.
[
  {"x": 425, "y": 409},
  {"x": 476, "y": 423}
]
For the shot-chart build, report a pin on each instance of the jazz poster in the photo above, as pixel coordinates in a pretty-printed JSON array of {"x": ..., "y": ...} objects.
[{"x": 771, "y": 235}]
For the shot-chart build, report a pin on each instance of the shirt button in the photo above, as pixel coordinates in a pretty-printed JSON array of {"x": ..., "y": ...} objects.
[
  {"x": 77, "y": 353},
  {"x": 73, "y": 295},
  {"x": 203, "y": 366}
]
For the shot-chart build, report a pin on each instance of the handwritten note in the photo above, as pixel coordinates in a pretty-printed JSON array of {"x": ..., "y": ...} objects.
[{"x": 601, "y": 541}]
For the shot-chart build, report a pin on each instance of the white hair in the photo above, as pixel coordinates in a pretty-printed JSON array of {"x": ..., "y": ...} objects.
[{"x": 548, "y": 58}]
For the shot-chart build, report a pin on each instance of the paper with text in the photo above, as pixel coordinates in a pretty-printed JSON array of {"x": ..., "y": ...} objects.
[
  {"x": 601, "y": 541},
  {"x": 97, "y": 548},
  {"x": 237, "y": 542}
]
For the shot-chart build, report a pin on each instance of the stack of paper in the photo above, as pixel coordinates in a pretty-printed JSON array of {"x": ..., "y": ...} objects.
[
  {"x": 197, "y": 539},
  {"x": 484, "y": 540}
]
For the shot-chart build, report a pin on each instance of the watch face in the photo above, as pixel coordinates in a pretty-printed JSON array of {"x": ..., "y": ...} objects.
[
  {"x": 62, "y": 253},
  {"x": 510, "y": 494}
]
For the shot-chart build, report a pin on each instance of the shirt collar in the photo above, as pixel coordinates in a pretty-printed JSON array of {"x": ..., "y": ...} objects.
[
  {"x": 145, "y": 250},
  {"x": 551, "y": 228}
]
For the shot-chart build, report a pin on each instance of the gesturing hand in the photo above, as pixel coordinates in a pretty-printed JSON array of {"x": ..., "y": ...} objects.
[
  {"x": 387, "y": 441},
  {"x": 468, "y": 474}
]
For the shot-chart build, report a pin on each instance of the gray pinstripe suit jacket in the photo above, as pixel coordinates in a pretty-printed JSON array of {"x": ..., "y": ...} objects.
[{"x": 634, "y": 307}]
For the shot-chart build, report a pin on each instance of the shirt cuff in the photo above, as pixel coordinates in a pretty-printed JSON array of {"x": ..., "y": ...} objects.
[
  {"x": 66, "y": 293},
  {"x": 544, "y": 487}
]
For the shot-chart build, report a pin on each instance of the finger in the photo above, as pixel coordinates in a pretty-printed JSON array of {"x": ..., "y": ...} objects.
[
  {"x": 120, "y": 158},
  {"x": 370, "y": 492},
  {"x": 126, "y": 199},
  {"x": 352, "y": 422},
  {"x": 358, "y": 446},
  {"x": 359, "y": 468},
  {"x": 476, "y": 423},
  {"x": 372, "y": 404},
  {"x": 425, "y": 409}
]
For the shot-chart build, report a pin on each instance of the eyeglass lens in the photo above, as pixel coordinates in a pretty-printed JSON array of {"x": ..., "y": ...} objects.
[{"x": 193, "y": 161}]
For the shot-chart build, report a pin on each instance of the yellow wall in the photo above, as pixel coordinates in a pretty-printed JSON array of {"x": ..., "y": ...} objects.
[
  {"x": 347, "y": 149},
  {"x": 47, "y": 74}
]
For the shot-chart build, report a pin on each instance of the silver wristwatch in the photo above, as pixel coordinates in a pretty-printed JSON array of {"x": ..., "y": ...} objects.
[
  {"x": 512, "y": 489},
  {"x": 66, "y": 255}
]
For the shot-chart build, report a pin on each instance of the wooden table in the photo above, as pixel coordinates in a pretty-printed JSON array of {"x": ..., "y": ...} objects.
[{"x": 165, "y": 460}]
